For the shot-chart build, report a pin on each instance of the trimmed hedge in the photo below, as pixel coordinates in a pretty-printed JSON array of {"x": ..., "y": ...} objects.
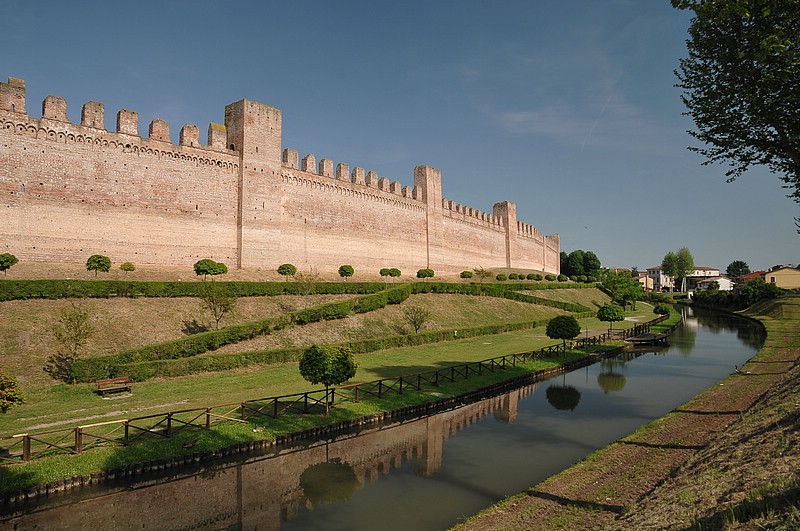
[
  {"x": 144, "y": 370},
  {"x": 104, "y": 289}
]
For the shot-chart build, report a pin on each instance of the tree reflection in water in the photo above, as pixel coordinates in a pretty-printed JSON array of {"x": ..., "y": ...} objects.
[
  {"x": 329, "y": 482},
  {"x": 563, "y": 397}
]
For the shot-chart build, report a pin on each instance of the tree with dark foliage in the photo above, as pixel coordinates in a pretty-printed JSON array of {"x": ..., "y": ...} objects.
[{"x": 740, "y": 85}]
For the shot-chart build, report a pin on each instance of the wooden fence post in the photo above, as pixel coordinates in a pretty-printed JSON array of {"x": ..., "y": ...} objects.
[
  {"x": 26, "y": 447},
  {"x": 79, "y": 440}
]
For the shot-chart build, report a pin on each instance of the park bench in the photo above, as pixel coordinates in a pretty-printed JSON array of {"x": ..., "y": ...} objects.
[{"x": 113, "y": 385}]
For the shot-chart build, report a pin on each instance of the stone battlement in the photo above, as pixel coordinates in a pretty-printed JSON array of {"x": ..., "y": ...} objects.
[{"x": 74, "y": 189}]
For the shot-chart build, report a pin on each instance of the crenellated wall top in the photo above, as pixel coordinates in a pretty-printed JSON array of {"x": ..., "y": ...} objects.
[{"x": 54, "y": 111}]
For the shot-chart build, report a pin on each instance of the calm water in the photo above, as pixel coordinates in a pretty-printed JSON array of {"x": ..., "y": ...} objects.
[{"x": 425, "y": 473}]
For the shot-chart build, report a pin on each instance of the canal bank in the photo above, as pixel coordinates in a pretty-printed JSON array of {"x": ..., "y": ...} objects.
[{"x": 727, "y": 457}]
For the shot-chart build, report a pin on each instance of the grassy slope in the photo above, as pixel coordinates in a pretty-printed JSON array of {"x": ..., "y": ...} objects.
[
  {"x": 121, "y": 323},
  {"x": 749, "y": 476}
]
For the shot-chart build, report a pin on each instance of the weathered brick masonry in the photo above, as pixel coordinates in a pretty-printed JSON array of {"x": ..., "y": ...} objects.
[{"x": 72, "y": 190}]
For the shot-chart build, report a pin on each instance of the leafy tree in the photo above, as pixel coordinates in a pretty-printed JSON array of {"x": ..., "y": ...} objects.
[
  {"x": 10, "y": 394},
  {"x": 206, "y": 267},
  {"x": 678, "y": 265},
  {"x": 610, "y": 313},
  {"x": 563, "y": 327},
  {"x": 98, "y": 262},
  {"x": 591, "y": 264},
  {"x": 328, "y": 365},
  {"x": 416, "y": 316},
  {"x": 575, "y": 263},
  {"x": 425, "y": 273},
  {"x": 7, "y": 260},
  {"x": 737, "y": 268},
  {"x": 216, "y": 300},
  {"x": 346, "y": 271},
  {"x": 740, "y": 85},
  {"x": 394, "y": 272},
  {"x": 385, "y": 272},
  {"x": 466, "y": 274},
  {"x": 72, "y": 332},
  {"x": 287, "y": 270},
  {"x": 756, "y": 290},
  {"x": 127, "y": 267},
  {"x": 622, "y": 287}
]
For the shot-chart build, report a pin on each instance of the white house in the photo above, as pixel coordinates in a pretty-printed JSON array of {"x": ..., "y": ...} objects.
[{"x": 723, "y": 283}]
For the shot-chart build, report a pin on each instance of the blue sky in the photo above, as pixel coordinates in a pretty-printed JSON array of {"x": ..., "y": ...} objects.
[{"x": 566, "y": 107}]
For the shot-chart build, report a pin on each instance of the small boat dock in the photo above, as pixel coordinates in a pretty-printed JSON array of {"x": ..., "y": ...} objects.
[{"x": 648, "y": 339}]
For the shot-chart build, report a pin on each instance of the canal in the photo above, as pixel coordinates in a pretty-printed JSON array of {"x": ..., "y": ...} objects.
[{"x": 425, "y": 473}]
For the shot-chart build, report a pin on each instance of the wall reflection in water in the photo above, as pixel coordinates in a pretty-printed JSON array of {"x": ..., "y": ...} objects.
[{"x": 263, "y": 491}]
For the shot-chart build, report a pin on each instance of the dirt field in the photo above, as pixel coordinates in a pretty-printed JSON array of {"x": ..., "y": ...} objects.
[{"x": 728, "y": 459}]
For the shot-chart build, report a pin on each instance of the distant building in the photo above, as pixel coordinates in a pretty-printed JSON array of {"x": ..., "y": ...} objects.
[
  {"x": 722, "y": 283},
  {"x": 659, "y": 280},
  {"x": 784, "y": 277},
  {"x": 663, "y": 282},
  {"x": 755, "y": 275},
  {"x": 645, "y": 281}
]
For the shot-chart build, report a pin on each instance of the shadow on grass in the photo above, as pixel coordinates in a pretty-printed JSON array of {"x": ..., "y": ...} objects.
[
  {"x": 193, "y": 327},
  {"x": 781, "y": 505}
]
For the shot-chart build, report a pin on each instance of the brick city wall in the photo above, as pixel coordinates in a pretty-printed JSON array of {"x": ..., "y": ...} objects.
[{"x": 72, "y": 190}]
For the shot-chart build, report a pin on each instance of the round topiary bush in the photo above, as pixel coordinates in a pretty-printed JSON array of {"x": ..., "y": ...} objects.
[
  {"x": 563, "y": 278},
  {"x": 512, "y": 276},
  {"x": 550, "y": 278},
  {"x": 500, "y": 277},
  {"x": 532, "y": 276}
]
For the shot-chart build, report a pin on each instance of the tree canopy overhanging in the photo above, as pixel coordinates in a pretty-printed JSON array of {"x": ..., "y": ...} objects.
[{"x": 740, "y": 85}]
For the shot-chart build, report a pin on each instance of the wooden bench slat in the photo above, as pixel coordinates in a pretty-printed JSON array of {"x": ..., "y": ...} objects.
[{"x": 113, "y": 384}]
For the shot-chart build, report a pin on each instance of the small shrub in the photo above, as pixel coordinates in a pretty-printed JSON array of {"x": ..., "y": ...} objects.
[
  {"x": 513, "y": 276},
  {"x": 550, "y": 278},
  {"x": 466, "y": 274},
  {"x": 287, "y": 270},
  {"x": 500, "y": 277},
  {"x": 346, "y": 271},
  {"x": 563, "y": 278},
  {"x": 425, "y": 273},
  {"x": 532, "y": 276},
  {"x": 7, "y": 260},
  {"x": 661, "y": 309},
  {"x": 98, "y": 262}
]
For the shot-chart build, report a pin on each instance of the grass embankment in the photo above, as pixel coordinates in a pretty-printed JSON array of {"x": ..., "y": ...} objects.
[
  {"x": 727, "y": 459},
  {"x": 52, "y": 406}
]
